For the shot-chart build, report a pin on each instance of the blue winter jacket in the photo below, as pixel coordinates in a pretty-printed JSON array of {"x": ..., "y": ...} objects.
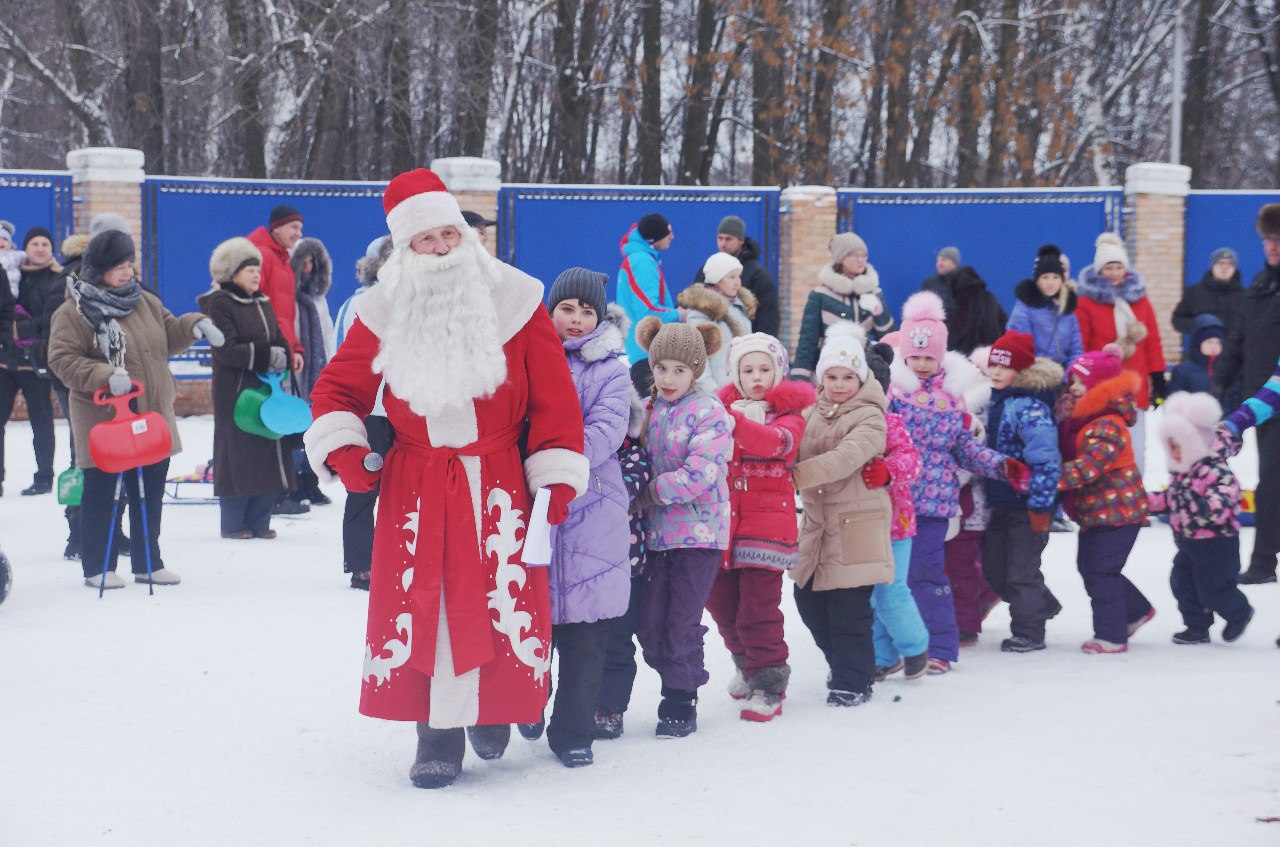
[
  {"x": 1195, "y": 374},
  {"x": 590, "y": 574},
  {"x": 1021, "y": 426},
  {"x": 642, "y": 289},
  {"x": 1057, "y": 335}
]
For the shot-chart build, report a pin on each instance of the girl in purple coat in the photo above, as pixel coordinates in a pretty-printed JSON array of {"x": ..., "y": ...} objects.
[
  {"x": 927, "y": 395},
  {"x": 590, "y": 576}
]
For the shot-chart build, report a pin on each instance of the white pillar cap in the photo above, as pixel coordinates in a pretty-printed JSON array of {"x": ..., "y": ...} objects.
[
  {"x": 468, "y": 173},
  {"x": 1157, "y": 178},
  {"x": 106, "y": 164}
]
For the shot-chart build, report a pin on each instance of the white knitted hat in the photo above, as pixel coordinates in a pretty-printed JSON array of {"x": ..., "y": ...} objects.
[
  {"x": 718, "y": 267},
  {"x": 1109, "y": 248},
  {"x": 757, "y": 342},
  {"x": 844, "y": 347}
]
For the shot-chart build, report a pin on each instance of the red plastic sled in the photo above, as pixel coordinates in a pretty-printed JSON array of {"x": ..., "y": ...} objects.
[{"x": 130, "y": 440}]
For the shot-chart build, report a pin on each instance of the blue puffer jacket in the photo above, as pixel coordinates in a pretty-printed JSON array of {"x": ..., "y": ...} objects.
[
  {"x": 935, "y": 416},
  {"x": 1022, "y": 427},
  {"x": 642, "y": 289},
  {"x": 1196, "y": 373},
  {"x": 1057, "y": 335},
  {"x": 590, "y": 573}
]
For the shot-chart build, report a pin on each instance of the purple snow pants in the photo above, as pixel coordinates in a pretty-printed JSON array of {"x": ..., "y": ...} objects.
[
  {"x": 673, "y": 593},
  {"x": 1117, "y": 602},
  {"x": 929, "y": 585}
]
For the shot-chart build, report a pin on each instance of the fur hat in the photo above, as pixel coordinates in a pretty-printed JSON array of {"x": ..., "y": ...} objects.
[
  {"x": 1269, "y": 221},
  {"x": 1108, "y": 248},
  {"x": 718, "y": 267},
  {"x": 416, "y": 201},
  {"x": 879, "y": 362},
  {"x": 1048, "y": 261},
  {"x": 232, "y": 256},
  {"x": 368, "y": 265},
  {"x": 924, "y": 328},
  {"x": 844, "y": 243},
  {"x": 109, "y": 220},
  {"x": 1188, "y": 421},
  {"x": 687, "y": 343},
  {"x": 950, "y": 253},
  {"x": 732, "y": 225},
  {"x": 73, "y": 245},
  {"x": 1098, "y": 365},
  {"x": 580, "y": 284},
  {"x": 1015, "y": 350},
  {"x": 653, "y": 227},
  {"x": 844, "y": 347},
  {"x": 7, "y": 229},
  {"x": 757, "y": 342},
  {"x": 105, "y": 251}
]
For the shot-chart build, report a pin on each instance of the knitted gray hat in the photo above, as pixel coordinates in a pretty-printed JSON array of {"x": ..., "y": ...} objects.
[
  {"x": 952, "y": 253},
  {"x": 844, "y": 244},
  {"x": 580, "y": 284},
  {"x": 1224, "y": 253},
  {"x": 732, "y": 225},
  {"x": 109, "y": 220}
]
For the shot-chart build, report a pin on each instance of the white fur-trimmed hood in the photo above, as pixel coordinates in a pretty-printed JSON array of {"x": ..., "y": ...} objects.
[
  {"x": 961, "y": 379},
  {"x": 868, "y": 282}
]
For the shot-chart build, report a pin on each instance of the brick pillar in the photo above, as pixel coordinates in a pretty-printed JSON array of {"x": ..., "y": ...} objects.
[
  {"x": 107, "y": 179},
  {"x": 808, "y": 223},
  {"x": 475, "y": 183},
  {"x": 1157, "y": 197}
]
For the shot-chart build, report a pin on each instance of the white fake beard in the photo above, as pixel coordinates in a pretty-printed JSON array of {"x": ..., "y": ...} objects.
[{"x": 442, "y": 346}]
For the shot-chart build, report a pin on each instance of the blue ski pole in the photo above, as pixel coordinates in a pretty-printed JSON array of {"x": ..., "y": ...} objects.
[
  {"x": 146, "y": 531},
  {"x": 111, "y": 533}
]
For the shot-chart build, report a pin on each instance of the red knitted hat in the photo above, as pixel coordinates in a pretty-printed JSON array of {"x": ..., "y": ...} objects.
[
  {"x": 416, "y": 201},
  {"x": 1015, "y": 350}
]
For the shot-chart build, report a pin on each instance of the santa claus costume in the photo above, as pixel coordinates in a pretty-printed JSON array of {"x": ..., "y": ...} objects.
[{"x": 459, "y": 628}]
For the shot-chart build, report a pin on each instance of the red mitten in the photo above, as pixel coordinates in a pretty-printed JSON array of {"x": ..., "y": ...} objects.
[
  {"x": 348, "y": 463},
  {"x": 1039, "y": 521},
  {"x": 558, "y": 508},
  {"x": 1018, "y": 475},
  {"x": 875, "y": 473}
]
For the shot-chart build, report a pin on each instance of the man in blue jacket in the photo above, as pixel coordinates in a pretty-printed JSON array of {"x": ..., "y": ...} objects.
[{"x": 642, "y": 289}]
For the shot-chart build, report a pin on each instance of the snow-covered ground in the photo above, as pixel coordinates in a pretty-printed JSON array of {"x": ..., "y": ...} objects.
[{"x": 223, "y": 711}]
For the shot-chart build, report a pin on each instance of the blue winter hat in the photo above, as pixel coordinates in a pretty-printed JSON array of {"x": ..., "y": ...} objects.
[
  {"x": 371, "y": 252},
  {"x": 1224, "y": 253}
]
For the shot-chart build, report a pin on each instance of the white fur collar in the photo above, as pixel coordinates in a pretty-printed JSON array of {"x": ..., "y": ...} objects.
[
  {"x": 961, "y": 380},
  {"x": 868, "y": 282},
  {"x": 515, "y": 295}
]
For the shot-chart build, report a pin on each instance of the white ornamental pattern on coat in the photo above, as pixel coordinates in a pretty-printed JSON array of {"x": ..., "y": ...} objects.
[
  {"x": 511, "y": 622},
  {"x": 395, "y": 652}
]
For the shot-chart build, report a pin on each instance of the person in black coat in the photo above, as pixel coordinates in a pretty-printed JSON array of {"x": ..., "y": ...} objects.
[
  {"x": 1250, "y": 356},
  {"x": 941, "y": 283},
  {"x": 732, "y": 238},
  {"x": 1219, "y": 292},
  {"x": 976, "y": 319}
]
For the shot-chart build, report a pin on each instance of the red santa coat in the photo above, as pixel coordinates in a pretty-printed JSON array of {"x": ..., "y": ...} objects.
[
  {"x": 279, "y": 284},
  {"x": 459, "y": 630}
]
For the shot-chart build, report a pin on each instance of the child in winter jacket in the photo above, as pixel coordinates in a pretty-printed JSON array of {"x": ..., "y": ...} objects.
[
  {"x": 11, "y": 258},
  {"x": 1196, "y": 374},
  {"x": 848, "y": 290},
  {"x": 590, "y": 568},
  {"x": 844, "y": 541},
  {"x": 686, "y": 511},
  {"x": 1114, "y": 307},
  {"x": 745, "y": 601},
  {"x": 721, "y": 300},
  {"x": 1103, "y": 491},
  {"x": 1021, "y": 425},
  {"x": 901, "y": 639},
  {"x": 927, "y": 394},
  {"x": 1045, "y": 309},
  {"x": 1202, "y": 500}
]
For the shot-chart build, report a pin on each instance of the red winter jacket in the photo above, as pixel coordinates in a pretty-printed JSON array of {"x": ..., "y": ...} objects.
[
  {"x": 762, "y": 498},
  {"x": 1098, "y": 328},
  {"x": 279, "y": 284}
]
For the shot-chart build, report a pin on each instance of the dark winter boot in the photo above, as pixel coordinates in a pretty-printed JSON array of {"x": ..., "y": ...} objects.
[
  {"x": 576, "y": 757},
  {"x": 72, "y": 550},
  {"x": 608, "y": 724},
  {"x": 836, "y": 697},
  {"x": 677, "y": 713},
  {"x": 531, "y": 731},
  {"x": 916, "y": 666},
  {"x": 1235, "y": 629},
  {"x": 883, "y": 672},
  {"x": 1191, "y": 636},
  {"x": 768, "y": 690},
  {"x": 1021, "y": 644},
  {"x": 1260, "y": 570},
  {"x": 439, "y": 759},
  {"x": 309, "y": 489},
  {"x": 490, "y": 742}
]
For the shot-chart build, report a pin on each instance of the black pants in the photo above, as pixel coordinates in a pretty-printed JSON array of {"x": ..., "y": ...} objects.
[
  {"x": 95, "y": 518},
  {"x": 1203, "y": 580},
  {"x": 581, "y": 647},
  {"x": 642, "y": 378},
  {"x": 252, "y": 513},
  {"x": 35, "y": 390},
  {"x": 1266, "y": 540},
  {"x": 358, "y": 514},
  {"x": 620, "y": 658},
  {"x": 64, "y": 403},
  {"x": 1011, "y": 563},
  {"x": 840, "y": 622}
]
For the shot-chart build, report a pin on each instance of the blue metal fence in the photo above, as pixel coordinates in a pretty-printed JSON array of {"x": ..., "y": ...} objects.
[
  {"x": 37, "y": 198},
  {"x": 996, "y": 230},
  {"x": 544, "y": 229},
  {"x": 1224, "y": 219},
  {"x": 184, "y": 219}
]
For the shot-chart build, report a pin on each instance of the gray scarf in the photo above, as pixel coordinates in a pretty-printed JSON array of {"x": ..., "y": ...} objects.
[{"x": 103, "y": 307}]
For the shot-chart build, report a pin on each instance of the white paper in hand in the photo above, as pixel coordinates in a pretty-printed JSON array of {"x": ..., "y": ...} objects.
[{"x": 537, "y": 538}]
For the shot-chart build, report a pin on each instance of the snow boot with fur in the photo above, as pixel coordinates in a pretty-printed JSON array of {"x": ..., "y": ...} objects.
[
  {"x": 768, "y": 690},
  {"x": 439, "y": 759},
  {"x": 738, "y": 687},
  {"x": 608, "y": 724},
  {"x": 490, "y": 742}
]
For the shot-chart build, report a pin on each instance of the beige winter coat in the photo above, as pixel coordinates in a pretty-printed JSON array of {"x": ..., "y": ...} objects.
[
  {"x": 152, "y": 335},
  {"x": 844, "y": 540}
]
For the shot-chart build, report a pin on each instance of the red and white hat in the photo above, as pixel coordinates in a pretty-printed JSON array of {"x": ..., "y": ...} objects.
[{"x": 416, "y": 201}]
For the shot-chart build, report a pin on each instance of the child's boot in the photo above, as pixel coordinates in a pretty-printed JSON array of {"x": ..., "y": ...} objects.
[
  {"x": 1235, "y": 629},
  {"x": 439, "y": 759},
  {"x": 608, "y": 724},
  {"x": 768, "y": 690},
  {"x": 1099, "y": 645},
  {"x": 738, "y": 687},
  {"x": 883, "y": 672},
  {"x": 677, "y": 713},
  {"x": 916, "y": 666},
  {"x": 1191, "y": 636}
]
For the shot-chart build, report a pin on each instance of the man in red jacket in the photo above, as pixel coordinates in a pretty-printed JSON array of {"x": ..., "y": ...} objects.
[{"x": 275, "y": 240}]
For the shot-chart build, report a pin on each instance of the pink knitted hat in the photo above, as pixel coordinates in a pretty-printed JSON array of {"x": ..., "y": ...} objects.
[
  {"x": 1098, "y": 365},
  {"x": 924, "y": 332}
]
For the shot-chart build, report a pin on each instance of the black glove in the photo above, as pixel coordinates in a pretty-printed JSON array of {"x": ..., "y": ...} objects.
[{"x": 1159, "y": 387}]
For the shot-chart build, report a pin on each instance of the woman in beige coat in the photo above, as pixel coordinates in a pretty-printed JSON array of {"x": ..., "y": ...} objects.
[
  {"x": 108, "y": 334},
  {"x": 844, "y": 541}
]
